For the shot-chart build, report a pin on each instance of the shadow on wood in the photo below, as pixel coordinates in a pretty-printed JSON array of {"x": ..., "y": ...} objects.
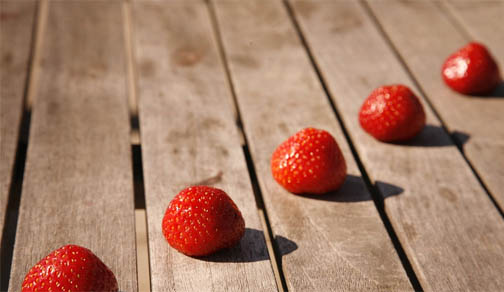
[
  {"x": 499, "y": 91},
  {"x": 388, "y": 190},
  {"x": 460, "y": 137},
  {"x": 252, "y": 248},
  {"x": 435, "y": 136},
  {"x": 353, "y": 190},
  {"x": 285, "y": 246}
]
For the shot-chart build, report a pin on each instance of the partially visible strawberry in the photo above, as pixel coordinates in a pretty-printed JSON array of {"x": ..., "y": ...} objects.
[
  {"x": 201, "y": 220},
  {"x": 471, "y": 70},
  {"x": 70, "y": 268},
  {"x": 310, "y": 162},
  {"x": 392, "y": 114}
]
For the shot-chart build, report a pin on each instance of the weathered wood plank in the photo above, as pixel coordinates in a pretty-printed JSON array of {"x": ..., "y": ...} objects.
[
  {"x": 16, "y": 23},
  {"x": 341, "y": 242},
  {"x": 450, "y": 230},
  {"x": 189, "y": 137},
  {"x": 78, "y": 183},
  {"x": 471, "y": 117},
  {"x": 482, "y": 19}
]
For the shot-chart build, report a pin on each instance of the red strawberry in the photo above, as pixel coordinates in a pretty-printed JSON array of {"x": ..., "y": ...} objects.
[
  {"x": 471, "y": 70},
  {"x": 201, "y": 220},
  {"x": 310, "y": 162},
  {"x": 70, "y": 268},
  {"x": 392, "y": 114}
]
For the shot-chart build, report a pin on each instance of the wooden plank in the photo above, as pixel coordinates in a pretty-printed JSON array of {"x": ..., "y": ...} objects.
[
  {"x": 482, "y": 20},
  {"x": 78, "y": 183},
  {"x": 450, "y": 230},
  {"x": 189, "y": 137},
  {"x": 470, "y": 118},
  {"x": 16, "y": 23},
  {"x": 342, "y": 244}
]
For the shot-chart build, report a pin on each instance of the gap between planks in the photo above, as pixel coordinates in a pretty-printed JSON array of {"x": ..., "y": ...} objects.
[
  {"x": 132, "y": 73},
  {"x": 142, "y": 251},
  {"x": 15, "y": 189},
  {"x": 377, "y": 199},
  {"x": 43, "y": 6},
  {"x": 141, "y": 234}
]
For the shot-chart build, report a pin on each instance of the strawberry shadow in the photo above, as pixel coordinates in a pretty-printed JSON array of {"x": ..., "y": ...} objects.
[
  {"x": 435, "y": 136},
  {"x": 252, "y": 248},
  {"x": 496, "y": 93},
  {"x": 353, "y": 190},
  {"x": 387, "y": 190},
  {"x": 499, "y": 91}
]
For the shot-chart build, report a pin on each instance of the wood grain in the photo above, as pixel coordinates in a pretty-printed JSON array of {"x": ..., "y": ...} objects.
[
  {"x": 78, "y": 183},
  {"x": 475, "y": 120},
  {"x": 335, "y": 242},
  {"x": 16, "y": 23},
  {"x": 482, "y": 20},
  {"x": 450, "y": 230},
  {"x": 189, "y": 137}
]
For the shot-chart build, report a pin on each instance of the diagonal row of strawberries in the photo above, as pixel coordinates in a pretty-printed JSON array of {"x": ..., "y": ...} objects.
[{"x": 201, "y": 220}]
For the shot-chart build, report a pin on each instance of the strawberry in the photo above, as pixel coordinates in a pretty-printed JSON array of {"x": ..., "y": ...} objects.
[
  {"x": 70, "y": 268},
  {"x": 471, "y": 70},
  {"x": 309, "y": 162},
  {"x": 392, "y": 114},
  {"x": 201, "y": 220}
]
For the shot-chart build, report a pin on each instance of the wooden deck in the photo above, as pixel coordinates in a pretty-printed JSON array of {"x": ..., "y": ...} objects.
[{"x": 109, "y": 108}]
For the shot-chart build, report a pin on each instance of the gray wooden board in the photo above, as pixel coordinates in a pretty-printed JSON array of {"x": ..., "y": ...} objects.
[
  {"x": 448, "y": 227},
  {"x": 78, "y": 186},
  {"x": 483, "y": 21},
  {"x": 475, "y": 120},
  {"x": 332, "y": 242},
  {"x": 16, "y": 23},
  {"x": 189, "y": 137}
]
